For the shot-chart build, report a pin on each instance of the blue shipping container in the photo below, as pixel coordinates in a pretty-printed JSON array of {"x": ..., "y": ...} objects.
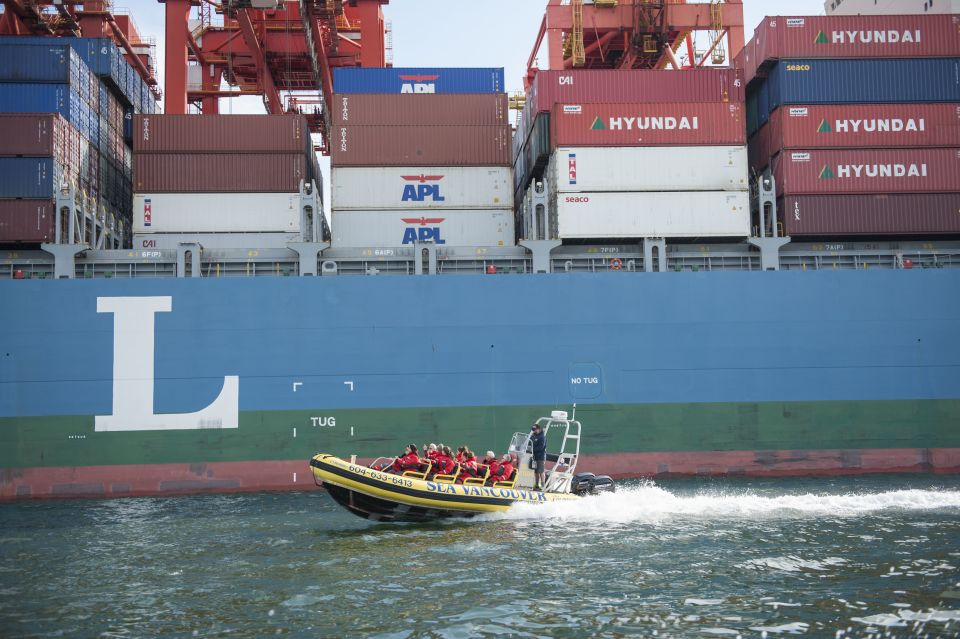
[
  {"x": 42, "y": 98},
  {"x": 57, "y": 64},
  {"x": 101, "y": 55},
  {"x": 864, "y": 81},
  {"x": 29, "y": 177},
  {"x": 417, "y": 80}
]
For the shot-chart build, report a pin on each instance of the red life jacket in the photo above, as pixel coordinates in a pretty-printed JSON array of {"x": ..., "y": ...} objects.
[
  {"x": 506, "y": 470},
  {"x": 409, "y": 461},
  {"x": 443, "y": 465},
  {"x": 493, "y": 466},
  {"x": 459, "y": 458},
  {"x": 469, "y": 467}
]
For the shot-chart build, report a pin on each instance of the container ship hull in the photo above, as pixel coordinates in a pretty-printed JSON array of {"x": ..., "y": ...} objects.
[{"x": 128, "y": 387}]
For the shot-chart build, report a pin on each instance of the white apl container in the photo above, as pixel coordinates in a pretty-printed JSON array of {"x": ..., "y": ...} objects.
[
  {"x": 659, "y": 168},
  {"x": 421, "y": 187},
  {"x": 216, "y": 213},
  {"x": 636, "y": 215},
  {"x": 358, "y": 229}
]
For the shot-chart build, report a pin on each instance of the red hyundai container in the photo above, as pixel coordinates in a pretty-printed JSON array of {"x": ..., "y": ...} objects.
[
  {"x": 674, "y": 124},
  {"x": 410, "y": 109},
  {"x": 897, "y": 214},
  {"x": 420, "y": 145},
  {"x": 215, "y": 172},
  {"x": 856, "y": 126},
  {"x": 808, "y": 172},
  {"x": 860, "y": 36},
  {"x": 286, "y": 133},
  {"x": 27, "y": 221}
]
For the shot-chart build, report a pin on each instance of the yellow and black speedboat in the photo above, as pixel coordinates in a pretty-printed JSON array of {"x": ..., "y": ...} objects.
[{"x": 374, "y": 494}]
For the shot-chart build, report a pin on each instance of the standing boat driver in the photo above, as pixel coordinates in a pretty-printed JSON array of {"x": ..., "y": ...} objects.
[{"x": 539, "y": 443}]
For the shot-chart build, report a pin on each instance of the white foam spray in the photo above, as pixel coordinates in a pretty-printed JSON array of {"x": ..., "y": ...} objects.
[{"x": 651, "y": 503}]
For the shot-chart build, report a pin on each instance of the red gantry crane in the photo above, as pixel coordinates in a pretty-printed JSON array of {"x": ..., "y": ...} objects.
[
  {"x": 283, "y": 50},
  {"x": 268, "y": 48},
  {"x": 637, "y": 34}
]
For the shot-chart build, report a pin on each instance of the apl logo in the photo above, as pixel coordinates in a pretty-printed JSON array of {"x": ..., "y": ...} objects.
[
  {"x": 418, "y": 83},
  {"x": 572, "y": 168},
  {"x": 147, "y": 213},
  {"x": 423, "y": 231},
  {"x": 422, "y": 190}
]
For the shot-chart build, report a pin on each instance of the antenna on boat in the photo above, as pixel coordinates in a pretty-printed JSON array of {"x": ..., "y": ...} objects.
[{"x": 573, "y": 417}]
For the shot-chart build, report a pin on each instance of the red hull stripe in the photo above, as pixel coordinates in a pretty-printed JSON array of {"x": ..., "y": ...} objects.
[{"x": 226, "y": 477}]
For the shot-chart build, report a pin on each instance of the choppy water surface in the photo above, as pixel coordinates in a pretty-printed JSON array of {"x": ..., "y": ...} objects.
[{"x": 828, "y": 558}]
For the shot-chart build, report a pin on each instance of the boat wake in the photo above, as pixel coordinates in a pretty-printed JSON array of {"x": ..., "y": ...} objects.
[{"x": 649, "y": 502}]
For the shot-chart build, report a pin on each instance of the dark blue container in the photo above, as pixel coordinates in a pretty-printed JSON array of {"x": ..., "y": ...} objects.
[
  {"x": 101, "y": 55},
  {"x": 42, "y": 98},
  {"x": 864, "y": 81},
  {"x": 29, "y": 177},
  {"x": 128, "y": 125},
  {"x": 417, "y": 80},
  {"x": 54, "y": 63},
  {"x": 763, "y": 104}
]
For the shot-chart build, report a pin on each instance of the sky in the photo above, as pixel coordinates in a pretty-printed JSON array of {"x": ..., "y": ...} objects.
[{"x": 456, "y": 33}]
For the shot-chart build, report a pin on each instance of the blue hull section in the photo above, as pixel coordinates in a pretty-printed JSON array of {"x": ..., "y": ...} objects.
[{"x": 383, "y": 342}]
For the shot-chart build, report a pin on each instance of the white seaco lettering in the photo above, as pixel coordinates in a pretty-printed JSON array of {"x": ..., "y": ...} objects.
[
  {"x": 881, "y": 170},
  {"x": 886, "y": 125},
  {"x": 133, "y": 374},
  {"x": 648, "y": 123},
  {"x": 876, "y": 37}
]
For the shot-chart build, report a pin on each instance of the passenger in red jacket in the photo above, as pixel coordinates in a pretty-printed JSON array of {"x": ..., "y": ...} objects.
[
  {"x": 442, "y": 462},
  {"x": 410, "y": 460},
  {"x": 469, "y": 467},
  {"x": 461, "y": 454},
  {"x": 489, "y": 461},
  {"x": 504, "y": 469}
]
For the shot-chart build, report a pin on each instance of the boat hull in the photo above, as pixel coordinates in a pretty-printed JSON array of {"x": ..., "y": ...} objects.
[{"x": 380, "y": 496}]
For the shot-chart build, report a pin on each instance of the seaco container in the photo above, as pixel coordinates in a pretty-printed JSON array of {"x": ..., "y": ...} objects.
[
  {"x": 632, "y": 215},
  {"x": 856, "y": 126},
  {"x": 893, "y": 36},
  {"x": 897, "y": 214},
  {"x": 425, "y": 110},
  {"x": 421, "y": 187},
  {"x": 863, "y": 81},
  {"x": 670, "y": 168},
  {"x": 216, "y": 172},
  {"x": 28, "y": 221},
  {"x": 221, "y": 134},
  {"x": 216, "y": 212},
  {"x": 377, "y": 228},
  {"x": 681, "y": 124},
  {"x": 417, "y": 80},
  {"x": 867, "y": 171},
  {"x": 427, "y": 145}
]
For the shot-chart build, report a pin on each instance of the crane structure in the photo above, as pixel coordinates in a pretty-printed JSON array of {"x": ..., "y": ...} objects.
[
  {"x": 637, "y": 34},
  {"x": 83, "y": 18},
  {"x": 268, "y": 48},
  {"x": 283, "y": 50}
]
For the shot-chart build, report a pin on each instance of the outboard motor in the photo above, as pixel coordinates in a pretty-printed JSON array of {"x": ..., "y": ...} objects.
[
  {"x": 602, "y": 484},
  {"x": 582, "y": 484}
]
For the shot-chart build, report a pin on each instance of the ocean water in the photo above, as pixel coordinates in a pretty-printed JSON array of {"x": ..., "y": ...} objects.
[{"x": 840, "y": 557}]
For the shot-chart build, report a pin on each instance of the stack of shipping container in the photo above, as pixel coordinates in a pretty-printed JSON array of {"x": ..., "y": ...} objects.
[
  {"x": 858, "y": 120},
  {"x": 66, "y": 106},
  {"x": 233, "y": 181},
  {"x": 636, "y": 153},
  {"x": 420, "y": 155}
]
